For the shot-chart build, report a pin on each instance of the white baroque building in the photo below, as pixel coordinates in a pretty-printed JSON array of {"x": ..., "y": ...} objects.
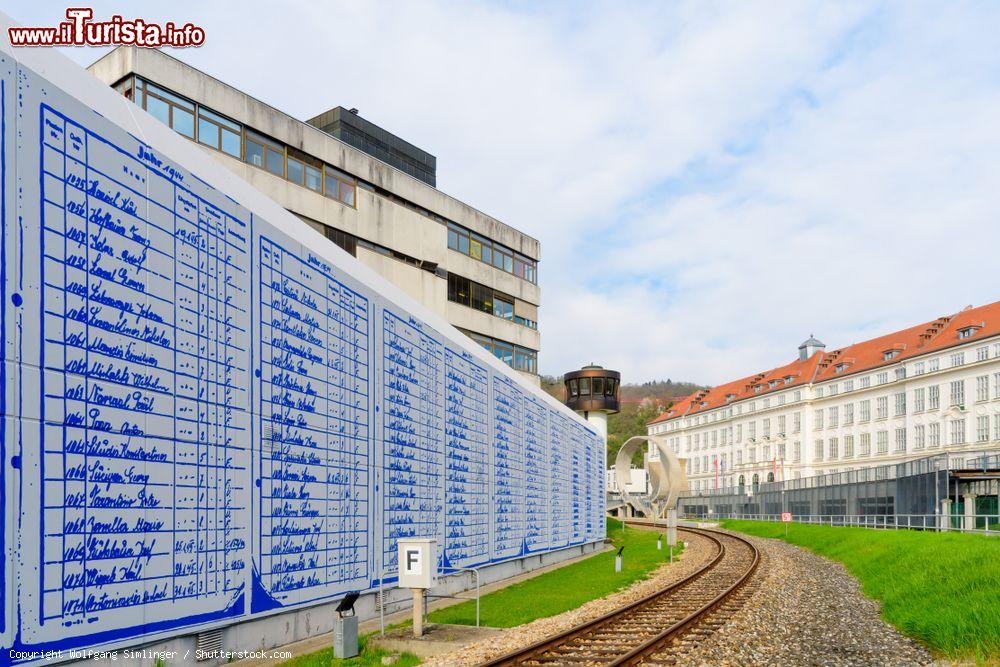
[{"x": 929, "y": 388}]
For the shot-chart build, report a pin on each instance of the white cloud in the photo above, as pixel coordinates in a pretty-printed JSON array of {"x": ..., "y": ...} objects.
[{"x": 710, "y": 183}]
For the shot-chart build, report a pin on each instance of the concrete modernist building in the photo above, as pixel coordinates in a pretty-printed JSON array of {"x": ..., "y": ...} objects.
[
  {"x": 929, "y": 388},
  {"x": 366, "y": 190}
]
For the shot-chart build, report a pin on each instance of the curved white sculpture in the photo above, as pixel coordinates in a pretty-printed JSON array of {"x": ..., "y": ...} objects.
[{"x": 667, "y": 477}]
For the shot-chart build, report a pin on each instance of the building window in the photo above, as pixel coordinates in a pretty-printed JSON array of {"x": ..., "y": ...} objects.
[
  {"x": 900, "y": 440},
  {"x": 934, "y": 435},
  {"x": 996, "y": 385},
  {"x": 797, "y": 422},
  {"x": 818, "y": 450},
  {"x": 339, "y": 186},
  {"x": 865, "y": 411},
  {"x": 483, "y": 249},
  {"x": 819, "y": 420},
  {"x": 347, "y": 242},
  {"x": 957, "y": 432},
  {"x": 849, "y": 414},
  {"x": 220, "y": 133},
  {"x": 918, "y": 368},
  {"x": 966, "y": 332},
  {"x": 882, "y": 442},
  {"x": 900, "y": 404},
  {"x": 983, "y": 388},
  {"x": 919, "y": 436},
  {"x": 459, "y": 289},
  {"x": 767, "y": 428},
  {"x": 517, "y": 357},
  {"x": 781, "y": 426},
  {"x": 865, "y": 382},
  {"x": 834, "y": 444},
  {"x": 173, "y": 111},
  {"x": 901, "y": 373},
  {"x": 933, "y": 365},
  {"x": 882, "y": 407},
  {"x": 958, "y": 392},
  {"x": 918, "y": 400},
  {"x": 882, "y": 378},
  {"x": 888, "y": 355},
  {"x": 934, "y": 397},
  {"x": 865, "y": 444},
  {"x": 848, "y": 446},
  {"x": 797, "y": 451},
  {"x": 265, "y": 153},
  {"x": 982, "y": 428},
  {"x": 996, "y": 427},
  {"x": 480, "y": 297},
  {"x": 834, "y": 414},
  {"x": 957, "y": 359},
  {"x": 982, "y": 353}
]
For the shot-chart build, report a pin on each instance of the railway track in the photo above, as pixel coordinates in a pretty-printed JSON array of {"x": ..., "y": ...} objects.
[{"x": 644, "y": 631}]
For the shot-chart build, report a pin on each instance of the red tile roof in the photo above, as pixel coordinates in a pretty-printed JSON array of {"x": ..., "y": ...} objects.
[{"x": 922, "y": 339}]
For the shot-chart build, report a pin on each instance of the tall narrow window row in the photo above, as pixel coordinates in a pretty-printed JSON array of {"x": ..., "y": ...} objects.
[{"x": 211, "y": 129}]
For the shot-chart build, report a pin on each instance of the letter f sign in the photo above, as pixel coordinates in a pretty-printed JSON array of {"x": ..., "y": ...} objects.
[{"x": 413, "y": 561}]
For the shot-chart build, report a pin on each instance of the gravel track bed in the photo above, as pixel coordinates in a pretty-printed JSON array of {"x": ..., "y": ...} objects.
[
  {"x": 698, "y": 551},
  {"x": 804, "y": 610}
]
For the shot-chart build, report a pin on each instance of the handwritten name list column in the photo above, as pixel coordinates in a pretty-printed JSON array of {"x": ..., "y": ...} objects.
[
  {"x": 508, "y": 469},
  {"x": 537, "y": 471},
  {"x": 315, "y": 433},
  {"x": 145, "y": 407},
  {"x": 411, "y": 432},
  {"x": 467, "y": 505}
]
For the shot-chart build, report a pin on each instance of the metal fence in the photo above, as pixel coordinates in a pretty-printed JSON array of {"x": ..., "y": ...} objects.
[
  {"x": 927, "y": 493},
  {"x": 962, "y": 523}
]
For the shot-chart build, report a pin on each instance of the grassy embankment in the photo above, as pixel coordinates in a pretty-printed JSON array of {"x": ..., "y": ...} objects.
[
  {"x": 567, "y": 587},
  {"x": 942, "y": 589}
]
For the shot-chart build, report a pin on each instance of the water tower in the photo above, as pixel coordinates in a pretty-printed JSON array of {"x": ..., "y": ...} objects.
[{"x": 592, "y": 392}]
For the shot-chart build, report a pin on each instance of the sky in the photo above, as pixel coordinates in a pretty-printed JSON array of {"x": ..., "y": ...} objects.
[{"x": 711, "y": 182}]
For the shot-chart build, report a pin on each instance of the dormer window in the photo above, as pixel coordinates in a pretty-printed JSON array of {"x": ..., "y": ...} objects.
[
  {"x": 730, "y": 397},
  {"x": 772, "y": 384},
  {"x": 788, "y": 379},
  {"x": 840, "y": 368},
  {"x": 966, "y": 332},
  {"x": 757, "y": 388},
  {"x": 889, "y": 355}
]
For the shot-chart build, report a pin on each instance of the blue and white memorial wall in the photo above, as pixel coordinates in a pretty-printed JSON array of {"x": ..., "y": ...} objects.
[{"x": 210, "y": 413}]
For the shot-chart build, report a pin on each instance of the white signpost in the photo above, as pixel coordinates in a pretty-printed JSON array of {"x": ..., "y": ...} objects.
[
  {"x": 418, "y": 572},
  {"x": 786, "y": 518},
  {"x": 671, "y": 531}
]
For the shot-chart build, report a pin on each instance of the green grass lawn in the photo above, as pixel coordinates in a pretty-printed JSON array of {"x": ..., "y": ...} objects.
[
  {"x": 368, "y": 656},
  {"x": 567, "y": 587},
  {"x": 940, "y": 588}
]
